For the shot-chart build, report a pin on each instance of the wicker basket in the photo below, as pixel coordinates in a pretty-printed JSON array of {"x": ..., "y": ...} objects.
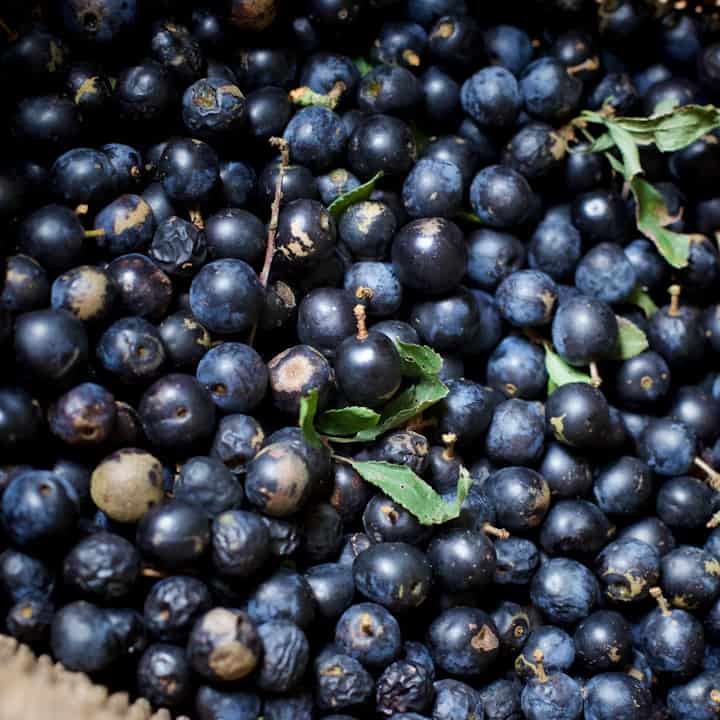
[{"x": 36, "y": 688}]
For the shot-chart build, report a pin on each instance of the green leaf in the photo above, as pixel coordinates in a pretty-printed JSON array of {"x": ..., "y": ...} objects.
[
  {"x": 560, "y": 372},
  {"x": 615, "y": 164},
  {"x": 418, "y": 360},
  {"x": 363, "y": 66},
  {"x": 632, "y": 340},
  {"x": 401, "y": 484},
  {"x": 640, "y": 298},
  {"x": 347, "y": 421},
  {"x": 665, "y": 106},
  {"x": 308, "y": 408},
  {"x": 400, "y": 409},
  {"x": 411, "y": 402},
  {"x": 628, "y": 149},
  {"x": 340, "y": 204},
  {"x": 551, "y": 386},
  {"x": 653, "y": 217},
  {"x": 470, "y": 217},
  {"x": 673, "y": 130},
  {"x": 465, "y": 481},
  {"x": 602, "y": 143}
]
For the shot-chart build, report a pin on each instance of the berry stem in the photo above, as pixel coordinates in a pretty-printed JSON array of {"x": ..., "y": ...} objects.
[
  {"x": 674, "y": 291},
  {"x": 540, "y": 666},
  {"x": 591, "y": 63},
  {"x": 196, "y": 218},
  {"x": 497, "y": 532},
  {"x": 712, "y": 476},
  {"x": 153, "y": 573},
  {"x": 715, "y": 695},
  {"x": 82, "y": 209},
  {"x": 663, "y": 604},
  {"x": 411, "y": 57},
  {"x": 449, "y": 440},
  {"x": 12, "y": 36},
  {"x": 714, "y": 521},
  {"x": 595, "y": 379},
  {"x": 94, "y": 233},
  {"x": 362, "y": 294},
  {"x": 360, "y": 319}
]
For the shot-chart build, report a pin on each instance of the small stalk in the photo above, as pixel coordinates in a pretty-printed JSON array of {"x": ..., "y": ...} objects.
[
  {"x": 360, "y": 319},
  {"x": 592, "y": 63},
  {"x": 274, "y": 219},
  {"x": 449, "y": 440},
  {"x": 714, "y": 521},
  {"x": 663, "y": 604},
  {"x": 153, "y": 573},
  {"x": 82, "y": 209},
  {"x": 362, "y": 293},
  {"x": 12, "y": 36},
  {"x": 712, "y": 476},
  {"x": 595, "y": 379},
  {"x": 497, "y": 532},
  {"x": 411, "y": 57},
  {"x": 540, "y": 666},
  {"x": 275, "y": 210},
  {"x": 196, "y": 218},
  {"x": 95, "y": 233},
  {"x": 674, "y": 309}
]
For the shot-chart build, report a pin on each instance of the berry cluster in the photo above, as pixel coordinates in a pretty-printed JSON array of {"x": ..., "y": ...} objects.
[{"x": 360, "y": 358}]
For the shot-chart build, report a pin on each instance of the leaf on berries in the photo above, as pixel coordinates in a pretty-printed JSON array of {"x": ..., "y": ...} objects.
[
  {"x": 653, "y": 217},
  {"x": 603, "y": 143},
  {"x": 418, "y": 360},
  {"x": 363, "y": 66},
  {"x": 407, "y": 489},
  {"x": 470, "y": 217},
  {"x": 340, "y": 204},
  {"x": 675, "y": 129},
  {"x": 640, "y": 298},
  {"x": 308, "y": 409},
  {"x": 632, "y": 340},
  {"x": 628, "y": 150},
  {"x": 402, "y": 408},
  {"x": 347, "y": 420},
  {"x": 561, "y": 372},
  {"x": 670, "y": 129}
]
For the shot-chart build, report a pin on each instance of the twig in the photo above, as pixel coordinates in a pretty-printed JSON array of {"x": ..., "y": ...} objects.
[
  {"x": 274, "y": 217},
  {"x": 12, "y": 36},
  {"x": 712, "y": 477},
  {"x": 275, "y": 209}
]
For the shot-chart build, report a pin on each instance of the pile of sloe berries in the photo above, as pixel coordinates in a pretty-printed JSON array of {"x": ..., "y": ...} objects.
[{"x": 213, "y": 210}]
